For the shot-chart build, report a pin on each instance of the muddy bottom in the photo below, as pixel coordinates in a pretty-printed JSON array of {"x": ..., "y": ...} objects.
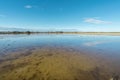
[{"x": 56, "y": 63}]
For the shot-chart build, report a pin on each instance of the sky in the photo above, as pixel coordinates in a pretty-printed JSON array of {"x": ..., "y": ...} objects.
[{"x": 57, "y": 15}]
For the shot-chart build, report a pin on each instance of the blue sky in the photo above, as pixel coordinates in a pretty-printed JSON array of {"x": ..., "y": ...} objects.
[{"x": 66, "y": 15}]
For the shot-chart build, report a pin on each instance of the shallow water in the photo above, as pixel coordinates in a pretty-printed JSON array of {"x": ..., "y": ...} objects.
[
  {"x": 106, "y": 48},
  {"x": 107, "y": 44}
]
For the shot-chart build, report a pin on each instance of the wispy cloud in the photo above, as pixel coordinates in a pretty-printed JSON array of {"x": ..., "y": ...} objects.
[
  {"x": 2, "y": 15},
  {"x": 12, "y": 29},
  {"x": 96, "y": 21},
  {"x": 28, "y": 6}
]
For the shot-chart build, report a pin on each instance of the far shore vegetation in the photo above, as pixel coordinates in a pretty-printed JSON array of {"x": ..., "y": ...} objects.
[{"x": 59, "y": 32}]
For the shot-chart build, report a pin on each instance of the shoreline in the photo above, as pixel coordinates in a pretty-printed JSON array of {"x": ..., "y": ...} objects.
[{"x": 81, "y": 33}]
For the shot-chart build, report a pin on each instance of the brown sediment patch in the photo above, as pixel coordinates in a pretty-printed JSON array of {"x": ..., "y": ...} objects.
[
  {"x": 15, "y": 55},
  {"x": 55, "y": 63}
]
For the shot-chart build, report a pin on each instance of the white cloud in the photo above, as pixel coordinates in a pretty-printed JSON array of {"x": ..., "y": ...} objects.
[
  {"x": 96, "y": 21},
  {"x": 28, "y": 6}
]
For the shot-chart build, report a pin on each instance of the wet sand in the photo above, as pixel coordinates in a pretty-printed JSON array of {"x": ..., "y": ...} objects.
[{"x": 56, "y": 63}]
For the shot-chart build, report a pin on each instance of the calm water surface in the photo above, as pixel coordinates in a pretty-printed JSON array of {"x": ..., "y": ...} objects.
[
  {"x": 103, "y": 52},
  {"x": 100, "y": 44}
]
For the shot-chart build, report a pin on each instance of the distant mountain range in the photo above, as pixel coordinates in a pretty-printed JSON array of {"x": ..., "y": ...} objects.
[
  {"x": 12, "y": 29},
  {"x": 41, "y": 30}
]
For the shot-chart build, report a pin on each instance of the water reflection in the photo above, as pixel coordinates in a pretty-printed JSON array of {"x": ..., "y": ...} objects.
[
  {"x": 16, "y": 42},
  {"x": 93, "y": 57}
]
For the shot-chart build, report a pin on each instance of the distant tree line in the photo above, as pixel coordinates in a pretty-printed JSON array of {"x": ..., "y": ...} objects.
[
  {"x": 54, "y": 32},
  {"x": 16, "y": 32},
  {"x": 27, "y": 32}
]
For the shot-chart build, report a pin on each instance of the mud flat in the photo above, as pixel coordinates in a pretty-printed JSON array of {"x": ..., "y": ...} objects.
[{"x": 56, "y": 63}]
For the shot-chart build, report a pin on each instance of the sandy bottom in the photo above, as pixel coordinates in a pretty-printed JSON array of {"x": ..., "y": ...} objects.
[{"x": 55, "y": 63}]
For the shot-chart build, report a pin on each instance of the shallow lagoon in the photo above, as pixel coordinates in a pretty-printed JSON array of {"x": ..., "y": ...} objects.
[
  {"x": 100, "y": 51},
  {"x": 109, "y": 44}
]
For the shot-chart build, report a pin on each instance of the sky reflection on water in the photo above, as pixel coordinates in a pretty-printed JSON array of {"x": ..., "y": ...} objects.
[{"x": 106, "y": 44}]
